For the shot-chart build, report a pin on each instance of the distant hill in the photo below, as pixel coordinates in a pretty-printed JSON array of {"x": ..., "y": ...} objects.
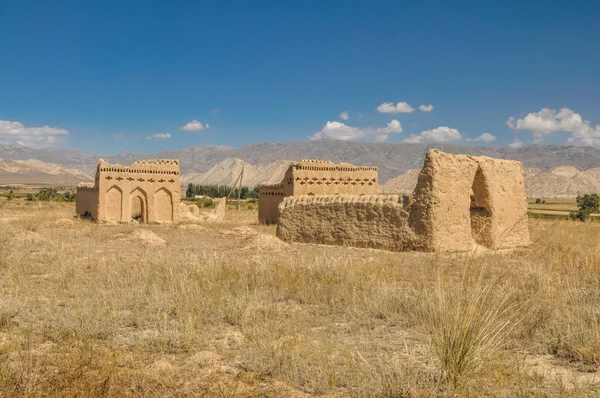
[
  {"x": 228, "y": 171},
  {"x": 393, "y": 159},
  {"x": 33, "y": 171},
  {"x": 562, "y": 182}
]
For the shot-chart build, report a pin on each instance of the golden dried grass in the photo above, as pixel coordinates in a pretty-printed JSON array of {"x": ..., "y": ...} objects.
[{"x": 207, "y": 314}]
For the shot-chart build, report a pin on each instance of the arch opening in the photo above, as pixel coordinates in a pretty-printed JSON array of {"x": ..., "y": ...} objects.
[
  {"x": 480, "y": 213},
  {"x": 138, "y": 209}
]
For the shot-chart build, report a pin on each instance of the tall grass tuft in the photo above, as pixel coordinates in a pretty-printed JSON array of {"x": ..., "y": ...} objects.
[{"x": 467, "y": 326}]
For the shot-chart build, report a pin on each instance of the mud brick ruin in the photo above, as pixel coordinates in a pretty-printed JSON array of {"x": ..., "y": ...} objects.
[
  {"x": 148, "y": 191},
  {"x": 315, "y": 177},
  {"x": 460, "y": 202}
]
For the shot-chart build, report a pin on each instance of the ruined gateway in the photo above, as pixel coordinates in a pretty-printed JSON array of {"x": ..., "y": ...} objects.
[
  {"x": 148, "y": 189},
  {"x": 460, "y": 202},
  {"x": 315, "y": 177}
]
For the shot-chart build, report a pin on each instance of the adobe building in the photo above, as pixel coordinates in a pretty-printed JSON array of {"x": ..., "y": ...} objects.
[
  {"x": 461, "y": 202},
  {"x": 315, "y": 177},
  {"x": 148, "y": 191}
]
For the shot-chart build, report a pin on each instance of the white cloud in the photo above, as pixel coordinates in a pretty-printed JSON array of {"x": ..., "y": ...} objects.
[
  {"x": 485, "y": 137},
  {"x": 548, "y": 121},
  {"x": 341, "y": 131},
  {"x": 426, "y": 108},
  {"x": 195, "y": 125},
  {"x": 400, "y": 107},
  {"x": 30, "y": 136},
  {"x": 413, "y": 138},
  {"x": 159, "y": 136},
  {"x": 344, "y": 115},
  {"x": 439, "y": 134},
  {"x": 517, "y": 143}
]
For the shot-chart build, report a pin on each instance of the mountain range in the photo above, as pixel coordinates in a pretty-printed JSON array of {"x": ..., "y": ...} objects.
[
  {"x": 564, "y": 182},
  {"x": 266, "y": 162}
]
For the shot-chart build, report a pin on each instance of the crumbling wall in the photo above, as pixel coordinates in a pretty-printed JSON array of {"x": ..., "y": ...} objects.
[
  {"x": 315, "y": 177},
  {"x": 269, "y": 198},
  {"x": 192, "y": 212},
  {"x": 379, "y": 222},
  {"x": 460, "y": 202},
  {"x": 86, "y": 200}
]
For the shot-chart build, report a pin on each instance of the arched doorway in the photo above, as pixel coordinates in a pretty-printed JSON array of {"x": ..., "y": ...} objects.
[
  {"x": 481, "y": 215},
  {"x": 139, "y": 207}
]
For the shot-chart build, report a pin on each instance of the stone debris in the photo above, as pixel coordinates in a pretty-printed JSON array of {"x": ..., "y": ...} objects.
[
  {"x": 264, "y": 242},
  {"x": 193, "y": 213},
  {"x": 143, "y": 235}
]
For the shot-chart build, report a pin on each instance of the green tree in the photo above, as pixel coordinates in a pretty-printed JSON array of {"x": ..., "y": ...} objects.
[
  {"x": 587, "y": 204},
  {"x": 538, "y": 201}
]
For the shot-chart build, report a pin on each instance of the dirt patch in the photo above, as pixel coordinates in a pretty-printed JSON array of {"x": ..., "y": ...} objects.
[
  {"x": 548, "y": 367},
  {"x": 193, "y": 226},
  {"x": 242, "y": 231},
  {"x": 28, "y": 237},
  {"x": 143, "y": 235},
  {"x": 63, "y": 222},
  {"x": 264, "y": 242}
]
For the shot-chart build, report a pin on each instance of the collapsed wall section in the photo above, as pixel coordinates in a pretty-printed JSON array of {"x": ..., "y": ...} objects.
[
  {"x": 379, "y": 222},
  {"x": 86, "y": 204},
  {"x": 463, "y": 200},
  {"x": 460, "y": 202}
]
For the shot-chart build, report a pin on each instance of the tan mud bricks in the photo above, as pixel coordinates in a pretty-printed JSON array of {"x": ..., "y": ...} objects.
[
  {"x": 147, "y": 191},
  {"x": 315, "y": 177},
  {"x": 460, "y": 202}
]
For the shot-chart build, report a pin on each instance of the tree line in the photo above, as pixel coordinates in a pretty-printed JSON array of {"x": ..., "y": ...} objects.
[{"x": 219, "y": 191}]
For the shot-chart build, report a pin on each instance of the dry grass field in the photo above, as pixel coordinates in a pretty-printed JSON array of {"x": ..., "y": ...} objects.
[{"x": 227, "y": 310}]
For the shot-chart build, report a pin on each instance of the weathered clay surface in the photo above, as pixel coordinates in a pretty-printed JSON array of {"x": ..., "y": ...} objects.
[
  {"x": 373, "y": 221},
  {"x": 460, "y": 201},
  {"x": 150, "y": 187},
  {"x": 315, "y": 177}
]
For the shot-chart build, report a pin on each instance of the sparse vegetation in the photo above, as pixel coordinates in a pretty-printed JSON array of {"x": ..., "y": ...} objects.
[
  {"x": 219, "y": 191},
  {"x": 95, "y": 310},
  {"x": 587, "y": 204},
  {"x": 205, "y": 203}
]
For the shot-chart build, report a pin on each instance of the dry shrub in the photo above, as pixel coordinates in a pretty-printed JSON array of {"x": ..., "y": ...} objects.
[{"x": 468, "y": 325}]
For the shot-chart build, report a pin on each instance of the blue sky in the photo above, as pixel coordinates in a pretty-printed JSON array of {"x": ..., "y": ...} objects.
[{"x": 107, "y": 76}]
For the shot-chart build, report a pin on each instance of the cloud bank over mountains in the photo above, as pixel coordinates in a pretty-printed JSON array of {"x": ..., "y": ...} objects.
[
  {"x": 30, "y": 136},
  {"x": 547, "y": 122},
  {"x": 545, "y": 125}
]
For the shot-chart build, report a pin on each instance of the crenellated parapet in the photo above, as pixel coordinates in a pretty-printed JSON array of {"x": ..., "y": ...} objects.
[
  {"x": 150, "y": 166},
  {"x": 326, "y": 165}
]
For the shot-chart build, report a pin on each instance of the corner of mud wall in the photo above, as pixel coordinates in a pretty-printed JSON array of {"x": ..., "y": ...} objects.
[
  {"x": 86, "y": 200},
  {"x": 440, "y": 211},
  {"x": 508, "y": 203}
]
